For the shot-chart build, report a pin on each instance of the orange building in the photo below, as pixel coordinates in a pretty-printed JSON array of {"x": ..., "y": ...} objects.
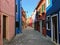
[
  {"x": 23, "y": 19},
  {"x": 7, "y": 20},
  {"x": 29, "y": 21},
  {"x": 40, "y": 23}
]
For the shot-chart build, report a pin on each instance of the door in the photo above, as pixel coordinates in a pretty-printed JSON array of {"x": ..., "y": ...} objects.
[
  {"x": 54, "y": 22},
  {"x": 4, "y": 26},
  {"x": 41, "y": 26}
]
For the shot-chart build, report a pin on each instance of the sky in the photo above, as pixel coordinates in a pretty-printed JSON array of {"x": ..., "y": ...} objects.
[{"x": 29, "y": 6}]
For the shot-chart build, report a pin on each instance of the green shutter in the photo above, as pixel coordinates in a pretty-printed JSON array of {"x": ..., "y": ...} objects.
[{"x": 42, "y": 8}]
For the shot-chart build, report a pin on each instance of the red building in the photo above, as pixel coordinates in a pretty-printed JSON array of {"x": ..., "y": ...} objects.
[{"x": 40, "y": 22}]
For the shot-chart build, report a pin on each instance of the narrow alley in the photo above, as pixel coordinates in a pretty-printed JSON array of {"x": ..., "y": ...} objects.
[
  {"x": 30, "y": 37},
  {"x": 29, "y": 22}
]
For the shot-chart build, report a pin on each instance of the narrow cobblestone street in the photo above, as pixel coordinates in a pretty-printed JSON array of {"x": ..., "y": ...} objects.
[{"x": 29, "y": 37}]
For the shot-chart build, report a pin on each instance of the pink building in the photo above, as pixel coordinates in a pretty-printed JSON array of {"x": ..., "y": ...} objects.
[{"x": 7, "y": 20}]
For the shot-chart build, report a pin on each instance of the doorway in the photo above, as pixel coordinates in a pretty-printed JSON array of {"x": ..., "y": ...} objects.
[
  {"x": 54, "y": 28},
  {"x": 4, "y": 27},
  {"x": 41, "y": 26}
]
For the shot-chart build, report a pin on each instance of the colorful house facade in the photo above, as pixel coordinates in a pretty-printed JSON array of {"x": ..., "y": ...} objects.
[
  {"x": 40, "y": 21},
  {"x": 29, "y": 21},
  {"x": 18, "y": 17},
  {"x": 53, "y": 20},
  {"x": 33, "y": 17},
  {"x": 23, "y": 19},
  {"x": 7, "y": 20}
]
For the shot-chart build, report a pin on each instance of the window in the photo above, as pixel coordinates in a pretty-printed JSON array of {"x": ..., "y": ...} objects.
[
  {"x": 17, "y": 24},
  {"x": 48, "y": 23},
  {"x": 47, "y": 3},
  {"x": 16, "y": 8},
  {"x": 40, "y": 10},
  {"x": 43, "y": 8}
]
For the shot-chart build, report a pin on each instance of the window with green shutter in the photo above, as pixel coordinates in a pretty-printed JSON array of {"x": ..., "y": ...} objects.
[
  {"x": 43, "y": 8},
  {"x": 39, "y": 11}
]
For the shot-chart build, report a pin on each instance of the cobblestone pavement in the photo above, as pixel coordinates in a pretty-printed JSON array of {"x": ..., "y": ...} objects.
[{"x": 30, "y": 37}]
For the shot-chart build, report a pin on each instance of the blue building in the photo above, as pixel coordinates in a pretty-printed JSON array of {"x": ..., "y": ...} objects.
[
  {"x": 18, "y": 17},
  {"x": 53, "y": 20}
]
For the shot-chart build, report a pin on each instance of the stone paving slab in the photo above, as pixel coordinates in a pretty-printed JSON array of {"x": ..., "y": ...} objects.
[{"x": 30, "y": 37}]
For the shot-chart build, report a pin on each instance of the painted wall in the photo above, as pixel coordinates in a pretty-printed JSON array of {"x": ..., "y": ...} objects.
[
  {"x": 49, "y": 33},
  {"x": 41, "y": 15},
  {"x": 43, "y": 2},
  {"x": 33, "y": 15},
  {"x": 23, "y": 19},
  {"x": 53, "y": 7},
  {"x": 7, "y": 8},
  {"x": 48, "y": 30},
  {"x": 0, "y": 31},
  {"x": 48, "y": 5},
  {"x": 59, "y": 25},
  {"x": 18, "y": 17}
]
